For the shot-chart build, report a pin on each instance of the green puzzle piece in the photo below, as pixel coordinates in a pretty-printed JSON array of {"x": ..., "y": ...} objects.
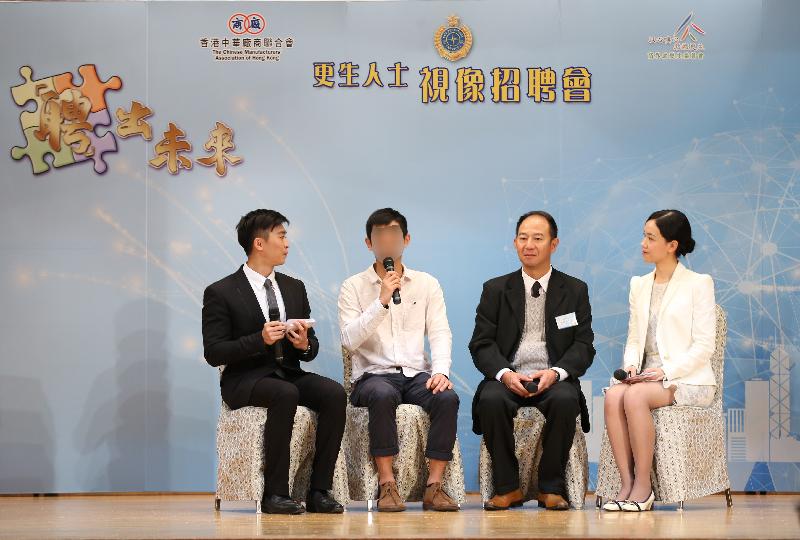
[{"x": 36, "y": 150}]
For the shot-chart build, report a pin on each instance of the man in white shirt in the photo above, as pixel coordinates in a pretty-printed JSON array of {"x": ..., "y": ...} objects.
[{"x": 386, "y": 340}]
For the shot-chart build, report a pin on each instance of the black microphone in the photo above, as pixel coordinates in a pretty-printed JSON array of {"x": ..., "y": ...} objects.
[
  {"x": 532, "y": 386},
  {"x": 275, "y": 315},
  {"x": 620, "y": 374},
  {"x": 388, "y": 264}
]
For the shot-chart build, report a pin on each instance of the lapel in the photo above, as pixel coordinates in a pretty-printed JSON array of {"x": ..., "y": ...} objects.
[
  {"x": 290, "y": 300},
  {"x": 515, "y": 294},
  {"x": 646, "y": 291},
  {"x": 556, "y": 294},
  {"x": 248, "y": 297},
  {"x": 643, "y": 307},
  {"x": 672, "y": 287}
]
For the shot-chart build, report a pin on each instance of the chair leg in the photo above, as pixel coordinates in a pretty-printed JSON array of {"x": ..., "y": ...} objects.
[
  {"x": 258, "y": 507},
  {"x": 680, "y": 506},
  {"x": 369, "y": 505},
  {"x": 729, "y": 498},
  {"x": 598, "y": 501},
  {"x": 216, "y": 504}
]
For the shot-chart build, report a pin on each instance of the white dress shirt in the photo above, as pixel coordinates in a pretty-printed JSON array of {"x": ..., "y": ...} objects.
[
  {"x": 257, "y": 283},
  {"x": 544, "y": 281},
  {"x": 382, "y": 340}
]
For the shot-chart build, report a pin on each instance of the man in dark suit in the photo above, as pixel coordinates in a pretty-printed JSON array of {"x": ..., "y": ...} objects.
[
  {"x": 245, "y": 330},
  {"x": 534, "y": 324}
]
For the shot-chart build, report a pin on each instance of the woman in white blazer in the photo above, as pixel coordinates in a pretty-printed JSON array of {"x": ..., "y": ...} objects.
[{"x": 671, "y": 332}]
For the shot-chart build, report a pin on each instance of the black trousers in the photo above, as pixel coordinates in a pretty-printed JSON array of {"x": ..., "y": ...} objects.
[
  {"x": 383, "y": 393},
  {"x": 497, "y": 407},
  {"x": 282, "y": 395}
]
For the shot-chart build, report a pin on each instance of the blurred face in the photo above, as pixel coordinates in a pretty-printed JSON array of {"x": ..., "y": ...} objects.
[
  {"x": 272, "y": 247},
  {"x": 387, "y": 241},
  {"x": 655, "y": 247},
  {"x": 533, "y": 242}
]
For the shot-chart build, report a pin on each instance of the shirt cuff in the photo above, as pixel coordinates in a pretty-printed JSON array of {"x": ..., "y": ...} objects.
[
  {"x": 562, "y": 373},
  {"x": 376, "y": 313},
  {"x": 500, "y": 374}
]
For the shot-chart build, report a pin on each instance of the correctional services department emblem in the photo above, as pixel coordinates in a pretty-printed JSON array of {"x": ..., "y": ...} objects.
[{"x": 454, "y": 40}]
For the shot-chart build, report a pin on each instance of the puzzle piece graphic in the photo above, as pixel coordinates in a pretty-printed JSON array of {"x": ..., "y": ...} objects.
[
  {"x": 102, "y": 145},
  {"x": 93, "y": 87},
  {"x": 36, "y": 150},
  {"x": 30, "y": 91}
]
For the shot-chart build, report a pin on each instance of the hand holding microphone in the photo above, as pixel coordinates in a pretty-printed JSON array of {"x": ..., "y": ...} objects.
[
  {"x": 629, "y": 375},
  {"x": 390, "y": 286},
  {"x": 274, "y": 331},
  {"x": 621, "y": 375},
  {"x": 516, "y": 382}
]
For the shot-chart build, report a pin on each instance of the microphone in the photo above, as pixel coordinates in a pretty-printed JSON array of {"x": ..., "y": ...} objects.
[
  {"x": 388, "y": 264},
  {"x": 275, "y": 315},
  {"x": 620, "y": 374},
  {"x": 532, "y": 386}
]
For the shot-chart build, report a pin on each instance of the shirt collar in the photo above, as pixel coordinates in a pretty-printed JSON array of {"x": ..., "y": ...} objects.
[
  {"x": 373, "y": 277},
  {"x": 257, "y": 279},
  {"x": 543, "y": 281}
]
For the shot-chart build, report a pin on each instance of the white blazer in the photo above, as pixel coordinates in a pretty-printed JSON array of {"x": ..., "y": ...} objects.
[{"x": 687, "y": 326}]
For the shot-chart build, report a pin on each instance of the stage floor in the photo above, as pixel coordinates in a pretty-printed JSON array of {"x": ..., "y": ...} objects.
[{"x": 193, "y": 516}]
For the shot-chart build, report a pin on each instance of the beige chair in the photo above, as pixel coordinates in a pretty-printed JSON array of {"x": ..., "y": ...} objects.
[
  {"x": 528, "y": 426},
  {"x": 410, "y": 465},
  {"x": 689, "y": 459},
  {"x": 240, "y": 456}
]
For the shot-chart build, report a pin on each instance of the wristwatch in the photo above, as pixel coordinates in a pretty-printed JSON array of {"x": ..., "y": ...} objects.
[{"x": 558, "y": 375}]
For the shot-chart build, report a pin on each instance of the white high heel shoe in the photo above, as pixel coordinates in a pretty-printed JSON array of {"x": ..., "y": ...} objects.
[
  {"x": 613, "y": 506},
  {"x": 634, "y": 506}
]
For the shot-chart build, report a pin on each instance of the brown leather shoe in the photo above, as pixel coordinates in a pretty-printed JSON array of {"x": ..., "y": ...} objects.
[
  {"x": 504, "y": 502},
  {"x": 389, "y": 498},
  {"x": 436, "y": 499},
  {"x": 552, "y": 501}
]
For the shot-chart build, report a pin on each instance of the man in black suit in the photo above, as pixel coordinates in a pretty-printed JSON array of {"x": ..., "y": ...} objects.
[
  {"x": 533, "y": 324},
  {"x": 245, "y": 330}
]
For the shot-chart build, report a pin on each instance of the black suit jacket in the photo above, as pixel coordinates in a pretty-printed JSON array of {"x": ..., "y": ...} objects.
[
  {"x": 232, "y": 324},
  {"x": 500, "y": 320}
]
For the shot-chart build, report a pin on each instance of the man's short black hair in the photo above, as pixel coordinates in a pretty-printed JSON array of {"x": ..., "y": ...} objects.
[
  {"x": 541, "y": 213},
  {"x": 385, "y": 216},
  {"x": 257, "y": 223}
]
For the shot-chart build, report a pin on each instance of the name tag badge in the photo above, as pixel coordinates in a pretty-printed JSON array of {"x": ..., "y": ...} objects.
[{"x": 566, "y": 321}]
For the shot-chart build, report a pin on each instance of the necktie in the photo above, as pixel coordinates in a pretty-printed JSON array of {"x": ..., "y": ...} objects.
[
  {"x": 536, "y": 289},
  {"x": 272, "y": 302},
  {"x": 274, "y": 315}
]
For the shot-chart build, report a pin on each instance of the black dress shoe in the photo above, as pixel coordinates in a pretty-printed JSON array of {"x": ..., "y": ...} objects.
[
  {"x": 279, "y": 504},
  {"x": 321, "y": 502}
]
